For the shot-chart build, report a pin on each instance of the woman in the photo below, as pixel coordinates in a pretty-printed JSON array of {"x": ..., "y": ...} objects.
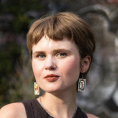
[{"x": 61, "y": 47}]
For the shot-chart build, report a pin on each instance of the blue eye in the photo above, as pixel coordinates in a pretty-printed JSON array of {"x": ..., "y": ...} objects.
[
  {"x": 41, "y": 56},
  {"x": 62, "y": 54}
]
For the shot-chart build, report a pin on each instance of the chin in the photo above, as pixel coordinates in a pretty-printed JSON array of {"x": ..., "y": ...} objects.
[{"x": 52, "y": 89}]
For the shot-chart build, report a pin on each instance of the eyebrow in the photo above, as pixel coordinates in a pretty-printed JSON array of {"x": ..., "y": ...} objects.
[{"x": 57, "y": 50}]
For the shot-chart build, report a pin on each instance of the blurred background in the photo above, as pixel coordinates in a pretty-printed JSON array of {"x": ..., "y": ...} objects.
[{"x": 16, "y": 77}]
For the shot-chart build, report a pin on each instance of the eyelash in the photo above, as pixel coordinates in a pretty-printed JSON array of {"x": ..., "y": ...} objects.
[
  {"x": 60, "y": 54},
  {"x": 41, "y": 55}
]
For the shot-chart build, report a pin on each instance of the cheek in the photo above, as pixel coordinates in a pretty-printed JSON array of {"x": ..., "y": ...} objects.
[
  {"x": 71, "y": 68},
  {"x": 36, "y": 68}
]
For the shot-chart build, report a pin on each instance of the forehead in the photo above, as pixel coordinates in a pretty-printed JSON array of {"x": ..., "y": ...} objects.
[{"x": 47, "y": 43}]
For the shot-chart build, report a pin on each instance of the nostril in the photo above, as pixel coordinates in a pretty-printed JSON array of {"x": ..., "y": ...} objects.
[{"x": 51, "y": 67}]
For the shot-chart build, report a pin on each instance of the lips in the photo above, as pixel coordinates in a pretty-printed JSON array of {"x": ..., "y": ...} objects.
[{"x": 51, "y": 77}]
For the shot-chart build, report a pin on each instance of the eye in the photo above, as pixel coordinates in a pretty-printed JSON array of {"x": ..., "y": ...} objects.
[
  {"x": 62, "y": 54},
  {"x": 41, "y": 56}
]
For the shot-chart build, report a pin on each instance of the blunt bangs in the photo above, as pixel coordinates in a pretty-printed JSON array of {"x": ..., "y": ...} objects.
[{"x": 61, "y": 25}]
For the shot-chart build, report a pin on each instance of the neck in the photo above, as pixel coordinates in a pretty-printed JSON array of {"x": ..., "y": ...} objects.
[{"x": 59, "y": 105}]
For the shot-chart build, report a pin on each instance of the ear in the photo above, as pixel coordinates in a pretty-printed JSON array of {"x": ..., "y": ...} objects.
[{"x": 85, "y": 63}]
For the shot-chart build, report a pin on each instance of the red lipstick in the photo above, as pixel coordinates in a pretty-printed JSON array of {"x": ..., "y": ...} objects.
[{"x": 51, "y": 77}]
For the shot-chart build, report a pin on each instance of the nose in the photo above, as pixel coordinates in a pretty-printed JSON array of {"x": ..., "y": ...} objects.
[{"x": 50, "y": 63}]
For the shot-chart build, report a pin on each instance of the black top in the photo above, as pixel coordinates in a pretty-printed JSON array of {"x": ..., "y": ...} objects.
[{"x": 35, "y": 110}]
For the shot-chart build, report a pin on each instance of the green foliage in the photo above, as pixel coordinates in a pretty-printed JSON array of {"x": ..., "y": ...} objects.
[
  {"x": 19, "y": 21},
  {"x": 8, "y": 57},
  {"x": 14, "y": 23},
  {"x": 9, "y": 54}
]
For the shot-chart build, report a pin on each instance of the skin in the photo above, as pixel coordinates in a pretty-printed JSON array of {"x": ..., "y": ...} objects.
[
  {"x": 54, "y": 57},
  {"x": 60, "y": 58}
]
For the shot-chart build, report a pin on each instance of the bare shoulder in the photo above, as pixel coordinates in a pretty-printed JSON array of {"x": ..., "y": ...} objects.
[
  {"x": 13, "y": 110},
  {"x": 91, "y": 116}
]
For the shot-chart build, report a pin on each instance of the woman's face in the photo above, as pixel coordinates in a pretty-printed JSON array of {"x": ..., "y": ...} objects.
[{"x": 56, "y": 64}]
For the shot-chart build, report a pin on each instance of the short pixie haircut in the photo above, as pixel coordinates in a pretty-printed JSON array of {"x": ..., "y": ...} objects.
[{"x": 60, "y": 25}]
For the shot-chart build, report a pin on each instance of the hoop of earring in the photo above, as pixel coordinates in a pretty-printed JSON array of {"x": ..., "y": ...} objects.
[
  {"x": 81, "y": 84},
  {"x": 36, "y": 89}
]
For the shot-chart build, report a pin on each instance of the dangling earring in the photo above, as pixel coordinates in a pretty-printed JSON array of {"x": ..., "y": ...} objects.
[
  {"x": 81, "y": 84},
  {"x": 36, "y": 89}
]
